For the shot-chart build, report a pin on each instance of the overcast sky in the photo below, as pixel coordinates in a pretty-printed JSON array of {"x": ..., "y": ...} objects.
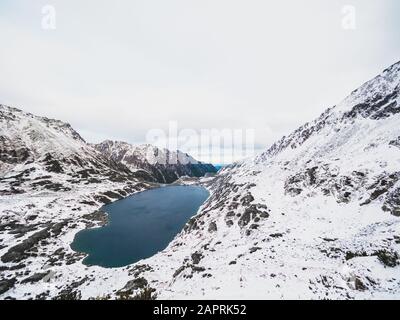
[{"x": 116, "y": 69}]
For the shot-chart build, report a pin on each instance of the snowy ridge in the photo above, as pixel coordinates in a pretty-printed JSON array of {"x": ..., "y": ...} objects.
[
  {"x": 163, "y": 165},
  {"x": 376, "y": 99},
  {"x": 51, "y": 185},
  {"x": 382, "y": 85},
  {"x": 39, "y": 134},
  {"x": 39, "y": 153},
  {"x": 315, "y": 216}
]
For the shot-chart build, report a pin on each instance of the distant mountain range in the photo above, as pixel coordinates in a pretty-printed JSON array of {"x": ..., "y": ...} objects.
[
  {"x": 163, "y": 165},
  {"x": 52, "y": 183},
  {"x": 33, "y": 147}
]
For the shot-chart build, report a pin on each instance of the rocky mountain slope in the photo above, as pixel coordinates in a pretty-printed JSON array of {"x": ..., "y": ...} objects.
[
  {"x": 41, "y": 154},
  {"x": 315, "y": 216},
  {"x": 164, "y": 165},
  {"x": 51, "y": 185}
]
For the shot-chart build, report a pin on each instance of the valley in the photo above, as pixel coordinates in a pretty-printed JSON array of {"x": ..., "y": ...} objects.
[{"x": 315, "y": 216}]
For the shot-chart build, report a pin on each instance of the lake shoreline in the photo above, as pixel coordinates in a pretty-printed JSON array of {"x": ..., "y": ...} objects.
[{"x": 176, "y": 211}]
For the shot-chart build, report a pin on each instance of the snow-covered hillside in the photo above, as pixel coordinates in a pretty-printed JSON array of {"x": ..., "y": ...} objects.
[
  {"x": 164, "y": 165},
  {"x": 51, "y": 186},
  {"x": 36, "y": 150},
  {"x": 316, "y": 216}
]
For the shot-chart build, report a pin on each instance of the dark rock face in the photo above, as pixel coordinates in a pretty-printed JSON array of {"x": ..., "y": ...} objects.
[
  {"x": 52, "y": 165},
  {"x": 254, "y": 249},
  {"x": 276, "y": 235},
  {"x": 212, "y": 227},
  {"x": 245, "y": 218},
  {"x": 97, "y": 217},
  {"x": 384, "y": 185},
  {"x": 388, "y": 258},
  {"x": 191, "y": 224},
  {"x": 137, "y": 270},
  {"x": 392, "y": 202},
  {"x": 254, "y": 212},
  {"x": 359, "y": 285},
  {"x": 17, "y": 229},
  {"x": 25, "y": 249},
  {"x": 135, "y": 284},
  {"x": 68, "y": 294},
  {"x": 6, "y": 285},
  {"x": 49, "y": 185},
  {"x": 395, "y": 142},
  {"x": 247, "y": 199},
  {"x": 344, "y": 187},
  {"x": 196, "y": 257},
  {"x": 179, "y": 271},
  {"x": 35, "y": 278},
  {"x": 21, "y": 251},
  {"x": 376, "y": 108},
  {"x": 11, "y": 154}
]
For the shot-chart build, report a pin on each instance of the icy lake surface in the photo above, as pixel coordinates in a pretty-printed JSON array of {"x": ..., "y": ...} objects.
[{"x": 140, "y": 225}]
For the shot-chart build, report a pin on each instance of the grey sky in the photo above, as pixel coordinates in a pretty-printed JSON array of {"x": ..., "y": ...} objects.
[{"x": 115, "y": 69}]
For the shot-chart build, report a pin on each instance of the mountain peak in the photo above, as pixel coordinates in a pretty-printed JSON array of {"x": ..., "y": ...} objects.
[
  {"x": 382, "y": 85},
  {"x": 377, "y": 99}
]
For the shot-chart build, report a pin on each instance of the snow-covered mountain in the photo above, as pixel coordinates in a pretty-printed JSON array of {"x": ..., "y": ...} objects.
[
  {"x": 37, "y": 153},
  {"x": 316, "y": 216},
  {"x": 52, "y": 184},
  {"x": 164, "y": 165}
]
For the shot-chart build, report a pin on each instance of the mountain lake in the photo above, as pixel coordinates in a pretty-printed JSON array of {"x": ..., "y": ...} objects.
[{"x": 140, "y": 225}]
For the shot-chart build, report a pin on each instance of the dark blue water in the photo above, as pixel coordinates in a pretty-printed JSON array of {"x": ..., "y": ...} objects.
[{"x": 140, "y": 225}]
